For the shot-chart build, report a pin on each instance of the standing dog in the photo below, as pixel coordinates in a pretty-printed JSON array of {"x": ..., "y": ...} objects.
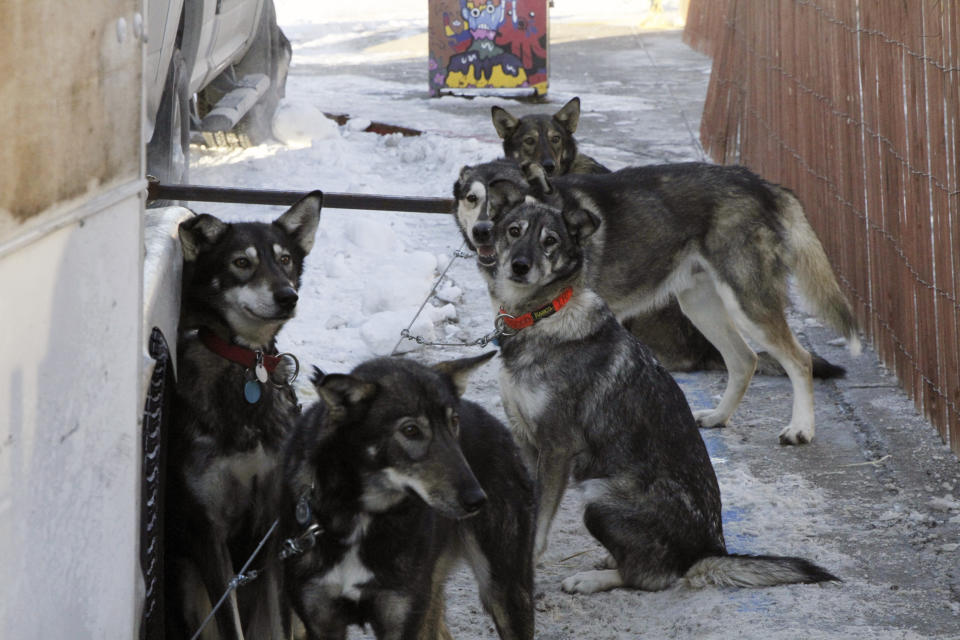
[
  {"x": 546, "y": 140},
  {"x": 586, "y": 397},
  {"x": 718, "y": 238},
  {"x": 233, "y": 410},
  {"x": 378, "y": 478}
]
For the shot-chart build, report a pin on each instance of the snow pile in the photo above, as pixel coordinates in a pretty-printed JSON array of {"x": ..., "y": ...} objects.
[{"x": 299, "y": 124}]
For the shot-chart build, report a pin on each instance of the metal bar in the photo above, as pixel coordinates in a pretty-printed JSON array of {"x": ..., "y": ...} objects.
[{"x": 197, "y": 193}]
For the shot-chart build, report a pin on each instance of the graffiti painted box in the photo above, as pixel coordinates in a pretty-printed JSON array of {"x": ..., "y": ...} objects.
[{"x": 488, "y": 47}]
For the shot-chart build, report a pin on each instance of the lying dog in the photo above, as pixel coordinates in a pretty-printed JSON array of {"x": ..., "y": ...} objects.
[
  {"x": 585, "y": 397},
  {"x": 392, "y": 478},
  {"x": 232, "y": 411},
  {"x": 719, "y": 239},
  {"x": 545, "y": 139},
  {"x": 548, "y": 141}
]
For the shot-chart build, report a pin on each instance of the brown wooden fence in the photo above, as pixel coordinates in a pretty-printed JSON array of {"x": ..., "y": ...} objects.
[{"x": 855, "y": 105}]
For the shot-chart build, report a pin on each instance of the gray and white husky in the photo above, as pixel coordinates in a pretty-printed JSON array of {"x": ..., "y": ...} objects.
[
  {"x": 232, "y": 411},
  {"x": 399, "y": 477},
  {"x": 586, "y": 398},
  {"x": 719, "y": 239}
]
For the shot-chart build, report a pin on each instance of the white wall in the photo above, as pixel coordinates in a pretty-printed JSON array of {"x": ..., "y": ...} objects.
[{"x": 70, "y": 406}]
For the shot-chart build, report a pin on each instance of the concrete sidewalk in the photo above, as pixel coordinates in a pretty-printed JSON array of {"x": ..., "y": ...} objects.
[{"x": 875, "y": 491}]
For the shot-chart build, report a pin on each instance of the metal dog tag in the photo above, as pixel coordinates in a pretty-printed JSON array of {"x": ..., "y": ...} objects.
[
  {"x": 252, "y": 391},
  {"x": 303, "y": 510},
  {"x": 260, "y": 370}
]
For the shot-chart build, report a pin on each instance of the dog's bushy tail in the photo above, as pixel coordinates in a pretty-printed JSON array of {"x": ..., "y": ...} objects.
[
  {"x": 754, "y": 571},
  {"x": 815, "y": 278}
]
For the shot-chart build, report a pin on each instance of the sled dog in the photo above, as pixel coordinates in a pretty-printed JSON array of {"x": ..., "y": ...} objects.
[
  {"x": 545, "y": 139},
  {"x": 399, "y": 478},
  {"x": 586, "y": 398},
  {"x": 548, "y": 140},
  {"x": 232, "y": 411},
  {"x": 719, "y": 239}
]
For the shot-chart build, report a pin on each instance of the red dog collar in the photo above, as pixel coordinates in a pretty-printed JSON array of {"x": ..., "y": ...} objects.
[
  {"x": 527, "y": 319},
  {"x": 241, "y": 355}
]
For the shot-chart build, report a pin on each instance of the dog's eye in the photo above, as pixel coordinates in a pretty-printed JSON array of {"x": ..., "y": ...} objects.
[
  {"x": 549, "y": 241},
  {"x": 529, "y": 142},
  {"x": 411, "y": 430},
  {"x": 285, "y": 260},
  {"x": 555, "y": 139},
  {"x": 242, "y": 263},
  {"x": 455, "y": 423},
  {"x": 472, "y": 198},
  {"x": 514, "y": 231}
]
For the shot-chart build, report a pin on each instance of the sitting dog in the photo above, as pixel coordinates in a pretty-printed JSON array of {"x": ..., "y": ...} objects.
[
  {"x": 388, "y": 481},
  {"x": 585, "y": 397},
  {"x": 548, "y": 141},
  {"x": 719, "y": 239},
  {"x": 232, "y": 412}
]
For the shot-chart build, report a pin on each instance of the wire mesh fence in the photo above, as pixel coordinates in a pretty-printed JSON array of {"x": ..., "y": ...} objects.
[{"x": 855, "y": 105}]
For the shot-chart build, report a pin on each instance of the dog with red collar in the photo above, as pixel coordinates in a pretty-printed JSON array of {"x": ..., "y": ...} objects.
[
  {"x": 587, "y": 399},
  {"x": 233, "y": 410}
]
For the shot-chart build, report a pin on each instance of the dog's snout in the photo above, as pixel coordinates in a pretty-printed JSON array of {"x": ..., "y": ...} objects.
[
  {"x": 472, "y": 499},
  {"x": 286, "y": 297},
  {"x": 483, "y": 232},
  {"x": 520, "y": 266},
  {"x": 549, "y": 166}
]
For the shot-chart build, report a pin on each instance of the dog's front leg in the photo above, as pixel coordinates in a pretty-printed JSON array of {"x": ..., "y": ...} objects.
[
  {"x": 266, "y": 619},
  {"x": 216, "y": 569},
  {"x": 553, "y": 471}
]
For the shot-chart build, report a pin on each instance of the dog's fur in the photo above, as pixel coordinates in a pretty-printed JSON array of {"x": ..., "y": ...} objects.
[
  {"x": 548, "y": 140},
  {"x": 545, "y": 139},
  {"x": 240, "y": 282},
  {"x": 718, "y": 238},
  {"x": 586, "y": 397},
  {"x": 387, "y": 476}
]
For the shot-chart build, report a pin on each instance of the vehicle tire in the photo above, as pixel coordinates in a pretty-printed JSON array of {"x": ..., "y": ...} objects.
[
  {"x": 168, "y": 152},
  {"x": 269, "y": 54}
]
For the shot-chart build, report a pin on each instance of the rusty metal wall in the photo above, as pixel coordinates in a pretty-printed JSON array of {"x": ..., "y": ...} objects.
[{"x": 854, "y": 104}]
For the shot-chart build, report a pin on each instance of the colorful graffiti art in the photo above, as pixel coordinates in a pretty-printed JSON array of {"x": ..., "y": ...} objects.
[{"x": 488, "y": 44}]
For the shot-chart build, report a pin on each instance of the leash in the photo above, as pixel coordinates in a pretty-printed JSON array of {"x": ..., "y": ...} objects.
[
  {"x": 482, "y": 341},
  {"x": 242, "y": 578},
  {"x": 290, "y": 547}
]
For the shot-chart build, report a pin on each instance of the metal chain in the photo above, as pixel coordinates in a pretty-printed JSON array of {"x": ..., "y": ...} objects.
[{"x": 406, "y": 335}]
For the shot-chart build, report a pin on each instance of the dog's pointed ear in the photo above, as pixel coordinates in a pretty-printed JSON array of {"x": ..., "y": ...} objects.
[
  {"x": 461, "y": 180},
  {"x": 459, "y": 370},
  {"x": 503, "y": 122},
  {"x": 569, "y": 115},
  {"x": 301, "y": 220},
  {"x": 342, "y": 392},
  {"x": 200, "y": 233},
  {"x": 536, "y": 175},
  {"x": 581, "y": 223}
]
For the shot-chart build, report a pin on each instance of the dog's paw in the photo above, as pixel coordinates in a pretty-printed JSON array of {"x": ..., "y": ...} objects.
[
  {"x": 709, "y": 418},
  {"x": 592, "y": 581},
  {"x": 607, "y": 563},
  {"x": 796, "y": 435}
]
